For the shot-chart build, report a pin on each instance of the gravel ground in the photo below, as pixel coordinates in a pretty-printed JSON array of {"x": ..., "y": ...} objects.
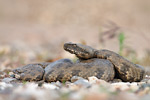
[{"x": 77, "y": 89}]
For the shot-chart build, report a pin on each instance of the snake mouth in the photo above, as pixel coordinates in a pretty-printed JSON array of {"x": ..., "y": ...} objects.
[
  {"x": 72, "y": 48},
  {"x": 69, "y": 47}
]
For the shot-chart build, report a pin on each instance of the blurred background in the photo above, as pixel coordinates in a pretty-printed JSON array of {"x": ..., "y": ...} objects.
[{"x": 35, "y": 30}]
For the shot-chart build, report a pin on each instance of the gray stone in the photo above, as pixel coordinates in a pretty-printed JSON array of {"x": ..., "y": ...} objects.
[
  {"x": 83, "y": 82},
  {"x": 8, "y": 80},
  {"x": 75, "y": 78}
]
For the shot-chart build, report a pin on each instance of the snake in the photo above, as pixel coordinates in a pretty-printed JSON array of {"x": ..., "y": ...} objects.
[{"x": 103, "y": 64}]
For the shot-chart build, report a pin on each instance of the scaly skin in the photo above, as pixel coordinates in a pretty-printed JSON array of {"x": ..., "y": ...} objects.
[
  {"x": 64, "y": 71},
  {"x": 125, "y": 69},
  {"x": 30, "y": 72}
]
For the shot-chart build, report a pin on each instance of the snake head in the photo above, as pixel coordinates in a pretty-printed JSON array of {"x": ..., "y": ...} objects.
[{"x": 80, "y": 50}]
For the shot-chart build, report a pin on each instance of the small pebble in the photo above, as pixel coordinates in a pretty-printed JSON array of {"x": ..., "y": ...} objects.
[
  {"x": 8, "y": 80},
  {"x": 57, "y": 83},
  {"x": 49, "y": 86},
  {"x": 82, "y": 82},
  {"x": 11, "y": 73},
  {"x": 121, "y": 85},
  {"x": 92, "y": 79},
  {"x": 4, "y": 85},
  {"x": 75, "y": 78},
  {"x": 134, "y": 86},
  {"x": 17, "y": 76},
  {"x": 73, "y": 87}
]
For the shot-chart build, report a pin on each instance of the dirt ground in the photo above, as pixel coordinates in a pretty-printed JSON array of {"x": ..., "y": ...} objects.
[{"x": 51, "y": 23}]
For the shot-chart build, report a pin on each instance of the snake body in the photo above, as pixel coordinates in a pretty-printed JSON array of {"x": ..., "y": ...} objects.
[
  {"x": 64, "y": 71},
  {"x": 103, "y": 64}
]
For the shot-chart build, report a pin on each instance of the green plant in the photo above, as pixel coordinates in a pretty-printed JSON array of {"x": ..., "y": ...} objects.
[
  {"x": 63, "y": 81},
  {"x": 24, "y": 82},
  {"x": 121, "y": 39}
]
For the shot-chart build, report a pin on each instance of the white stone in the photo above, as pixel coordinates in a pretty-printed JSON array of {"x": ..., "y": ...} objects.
[
  {"x": 17, "y": 76},
  {"x": 134, "y": 86},
  {"x": 11, "y": 73},
  {"x": 121, "y": 85},
  {"x": 50, "y": 86},
  {"x": 92, "y": 79},
  {"x": 8, "y": 80},
  {"x": 4, "y": 85},
  {"x": 75, "y": 78},
  {"x": 73, "y": 87},
  {"x": 58, "y": 84}
]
